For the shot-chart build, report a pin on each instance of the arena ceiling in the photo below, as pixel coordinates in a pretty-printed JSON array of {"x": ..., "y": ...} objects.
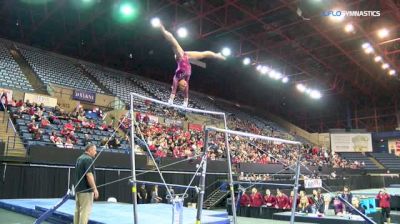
[{"x": 291, "y": 36}]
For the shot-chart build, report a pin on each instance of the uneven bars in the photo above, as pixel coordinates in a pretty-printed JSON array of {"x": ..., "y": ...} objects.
[
  {"x": 252, "y": 135},
  {"x": 178, "y": 106},
  {"x": 161, "y": 184},
  {"x": 261, "y": 183}
]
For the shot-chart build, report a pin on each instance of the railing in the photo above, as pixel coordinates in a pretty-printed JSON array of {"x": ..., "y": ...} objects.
[{"x": 11, "y": 140}]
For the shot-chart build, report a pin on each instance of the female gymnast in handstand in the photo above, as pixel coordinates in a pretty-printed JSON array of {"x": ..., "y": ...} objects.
[{"x": 184, "y": 70}]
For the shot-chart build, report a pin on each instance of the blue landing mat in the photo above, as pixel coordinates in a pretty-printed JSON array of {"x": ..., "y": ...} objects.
[{"x": 104, "y": 212}]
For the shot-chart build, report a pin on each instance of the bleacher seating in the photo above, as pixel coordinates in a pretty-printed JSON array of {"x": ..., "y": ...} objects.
[
  {"x": 360, "y": 157},
  {"x": 162, "y": 91},
  {"x": 55, "y": 70},
  {"x": 389, "y": 161},
  {"x": 118, "y": 84},
  {"x": 95, "y": 134},
  {"x": 11, "y": 75}
]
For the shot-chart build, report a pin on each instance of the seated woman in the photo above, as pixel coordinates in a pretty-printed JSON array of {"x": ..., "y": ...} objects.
[
  {"x": 32, "y": 127},
  {"x": 68, "y": 144},
  {"x": 44, "y": 123},
  {"x": 104, "y": 126},
  {"x": 154, "y": 195},
  {"x": 304, "y": 204}
]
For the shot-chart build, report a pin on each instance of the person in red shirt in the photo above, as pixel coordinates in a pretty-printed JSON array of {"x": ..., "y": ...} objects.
[
  {"x": 245, "y": 200},
  {"x": 291, "y": 197},
  {"x": 384, "y": 203},
  {"x": 69, "y": 126},
  {"x": 256, "y": 199},
  {"x": 282, "y": 200},
  {"x": 269, "y": 199}
]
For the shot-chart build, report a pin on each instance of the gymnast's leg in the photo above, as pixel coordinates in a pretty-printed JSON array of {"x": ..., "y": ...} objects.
[{"x": 173, "y": 90}]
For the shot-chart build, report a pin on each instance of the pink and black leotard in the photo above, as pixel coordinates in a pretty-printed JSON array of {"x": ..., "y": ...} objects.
[{"x": 183, "y": 71}]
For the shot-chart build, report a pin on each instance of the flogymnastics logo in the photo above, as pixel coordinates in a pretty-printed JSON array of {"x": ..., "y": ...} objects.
[{"x": 345, "y": 13}]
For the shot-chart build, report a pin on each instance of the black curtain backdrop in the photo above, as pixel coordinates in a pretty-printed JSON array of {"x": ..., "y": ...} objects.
[{"x": 50, "y": 182}]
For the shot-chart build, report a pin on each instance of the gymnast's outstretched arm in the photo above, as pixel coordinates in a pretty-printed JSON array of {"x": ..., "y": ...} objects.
[
  {"x": 171, "y": 39},
  {"x": 204, "y": 54}
]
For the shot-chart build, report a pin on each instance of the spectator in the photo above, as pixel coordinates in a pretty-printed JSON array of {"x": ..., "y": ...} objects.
[
  {"x": 154, "y": 195},
  {"x": 317, "y": 202},
  {"x": 347, "y": 196},
  {"x": 86, "y": 140},
  {"x": 53, "y": 118},
  {"x": 245, "y": 199},
  {"x": 104, "y": 126},
  {"x": 45, "y": 123},
  {"x": 269, "y": 199},
  {"x": 103, "y": 143},
  {"x": 53, "y": 136},
  {"x": 59, "y": 142},
  {"x": 69, "y": 126},
  {"x": 356, "y": 204},
  {"x": 142, "y": 194},
  {"x": 114, "y": 143},
  {"x": 3, "y": 101},
  {"x": 384, "y": 203},
  {"x": 304, "y": 204},
  {"x": 68, "y": 144},
  {"x": 33, "y": 127},
  {"x": 256, "y": 199},
  {"x": 19, "y": 103},
  {"x": 338, "y": 206},
  {"x": 37, "y": 135},
  {"x": 282, "y": 200}
]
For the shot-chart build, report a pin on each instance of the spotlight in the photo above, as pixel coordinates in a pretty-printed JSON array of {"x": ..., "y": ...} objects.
[
  {"x": 155, "y": 22},
  {"x": 366, "y": 45},
  {"x": 259, "y": 67},
  {"x": 182, "y": 32},
  {"x": 265, "y": 69},
  {"x": 382, "y": 33},
  {"x": 226, "y": 51},
  {"x": 126, "y": 9},
  {"x": 278, "y": 76},
  {"x": 272, "y": 74},
  {"x": 301, "y": 87},
  {"x": 378, "y": 58},
  {"x": 392, "y": 72},
  {"x": 246, "y": 61},
  {"x": 315, "y": 94},
  {"x": 308, "y": 91},
  {"x": 385, "y": 65},
  {"x": 349, "y": 28},
  {"x": 368, "y": 50},
  {"x": 285, "y": 80}
]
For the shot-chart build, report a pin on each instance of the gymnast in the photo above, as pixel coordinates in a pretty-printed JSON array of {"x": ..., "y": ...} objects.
[{"x": 184, "y": 70}]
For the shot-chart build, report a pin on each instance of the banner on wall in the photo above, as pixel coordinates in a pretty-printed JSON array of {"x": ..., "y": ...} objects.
[
  {"x": 312, "y": 183},
  {"x": 171, "y": 122},
  {"x": 39, "y": 99},
  {"x": 82, "y": 95},
  {"x": 195, "y": 127},
  {"x": 9, "y": 94},
  {"x": 351, "y": 142}
]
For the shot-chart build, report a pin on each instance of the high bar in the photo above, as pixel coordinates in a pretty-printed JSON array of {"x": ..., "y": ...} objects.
[
  {"x": 178, "y": 106},
  {"x": 252, "y": 135}
]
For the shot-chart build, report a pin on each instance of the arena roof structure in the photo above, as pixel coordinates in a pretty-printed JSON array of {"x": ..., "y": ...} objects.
[{"x": 354, "y": 68}]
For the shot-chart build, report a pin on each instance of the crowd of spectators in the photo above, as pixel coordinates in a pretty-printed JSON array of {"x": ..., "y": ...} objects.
[
  {"x": 63, "y": 125},
  {"x": 173, "y": 141}
]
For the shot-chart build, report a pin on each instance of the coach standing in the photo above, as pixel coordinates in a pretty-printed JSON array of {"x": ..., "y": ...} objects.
[
  {"x": 86, "y": 186},
  {"x": 384, "y": 203}
]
